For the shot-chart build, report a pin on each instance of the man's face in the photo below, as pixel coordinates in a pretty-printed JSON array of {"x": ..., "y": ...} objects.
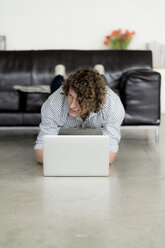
[{"x": 73, "y": 104}]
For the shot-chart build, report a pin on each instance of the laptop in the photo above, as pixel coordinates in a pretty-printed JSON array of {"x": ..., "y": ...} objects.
[{"x": 75, "y": 155}]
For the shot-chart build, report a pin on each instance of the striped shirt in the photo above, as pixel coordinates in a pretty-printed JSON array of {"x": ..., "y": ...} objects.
[{"x": 55, "y": 115}]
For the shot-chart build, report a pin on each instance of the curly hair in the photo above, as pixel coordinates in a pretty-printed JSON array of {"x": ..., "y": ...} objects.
[{"x": 89, "y": 86}]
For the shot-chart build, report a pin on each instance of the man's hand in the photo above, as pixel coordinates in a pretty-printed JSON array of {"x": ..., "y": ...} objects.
[
  {"x": 39, "y": 156},
  {"x": 112, "y": 156}
]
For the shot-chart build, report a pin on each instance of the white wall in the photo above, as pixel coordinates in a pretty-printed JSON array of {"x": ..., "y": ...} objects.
[{"x": 75, "y": 24}]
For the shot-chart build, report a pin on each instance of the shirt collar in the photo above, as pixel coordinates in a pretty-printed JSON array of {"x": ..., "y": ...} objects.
[{"x": 91, "y": 114}]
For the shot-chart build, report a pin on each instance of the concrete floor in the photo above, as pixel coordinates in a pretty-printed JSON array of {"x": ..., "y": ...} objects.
[{"x": 126, "y": 210}]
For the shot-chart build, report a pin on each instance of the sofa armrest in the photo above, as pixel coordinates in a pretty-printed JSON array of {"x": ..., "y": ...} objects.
[{"x": 140, "y": 94}]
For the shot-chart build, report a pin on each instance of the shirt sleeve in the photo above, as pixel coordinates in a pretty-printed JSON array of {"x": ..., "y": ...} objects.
[
  {"x": 114, "y": 117},
  {"x": 49, "y": 120}
]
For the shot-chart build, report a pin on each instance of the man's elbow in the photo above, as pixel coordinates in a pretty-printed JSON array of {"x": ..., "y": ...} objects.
[{"x": 38, "y": 154}]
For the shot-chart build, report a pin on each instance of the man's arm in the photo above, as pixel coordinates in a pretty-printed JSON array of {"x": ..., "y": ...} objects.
[
  {"x": 50, "y": 112},
  {"x": 114, "y": 115},
  {"x": 38, "y": 156}
]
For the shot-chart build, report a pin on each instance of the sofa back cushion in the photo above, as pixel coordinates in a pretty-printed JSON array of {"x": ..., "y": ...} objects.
[
  {"x": 116, "y": 62},
  {"x": 15, "y": 68}
]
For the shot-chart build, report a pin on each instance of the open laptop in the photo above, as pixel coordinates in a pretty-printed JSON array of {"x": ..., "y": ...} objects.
[{"x": 75, "y": 155}]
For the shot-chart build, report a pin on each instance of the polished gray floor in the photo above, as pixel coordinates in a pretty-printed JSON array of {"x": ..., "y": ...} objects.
[{"x": 125, "y": 210}]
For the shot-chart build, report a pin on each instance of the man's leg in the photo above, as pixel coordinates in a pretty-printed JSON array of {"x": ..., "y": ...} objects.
[
  {"x": 60, "y": 75},
  {"x": 100, "y": 68},
  {"x": 56, "y": 83}
]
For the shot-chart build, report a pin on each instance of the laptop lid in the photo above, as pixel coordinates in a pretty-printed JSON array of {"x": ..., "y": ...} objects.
[
  {"x": 80, "y": 131},
  {"x": 76, "y": 155}
]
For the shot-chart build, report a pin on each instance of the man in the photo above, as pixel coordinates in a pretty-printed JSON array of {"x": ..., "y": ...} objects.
[{"x": 83, "y": 101}]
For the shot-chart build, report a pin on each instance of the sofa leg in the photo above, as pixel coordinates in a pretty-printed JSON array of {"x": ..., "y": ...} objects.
[{"x": 157, "y": 134}]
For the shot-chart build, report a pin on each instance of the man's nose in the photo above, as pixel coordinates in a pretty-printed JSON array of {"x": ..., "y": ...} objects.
[{"x": 73, "y": 104}]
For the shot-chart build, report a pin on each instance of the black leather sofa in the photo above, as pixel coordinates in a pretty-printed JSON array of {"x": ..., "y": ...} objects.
[{"x": 128, "y": 72}]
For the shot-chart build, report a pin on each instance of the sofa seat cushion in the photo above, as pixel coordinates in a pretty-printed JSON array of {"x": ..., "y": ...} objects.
[
  {"x": 20, "y": 119},
  {"x": 9, "y": 100},
  {"x": 31, "y": 119},
  {"x": 34, "y": 101},
  {"x": 11, "y": 119}
]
